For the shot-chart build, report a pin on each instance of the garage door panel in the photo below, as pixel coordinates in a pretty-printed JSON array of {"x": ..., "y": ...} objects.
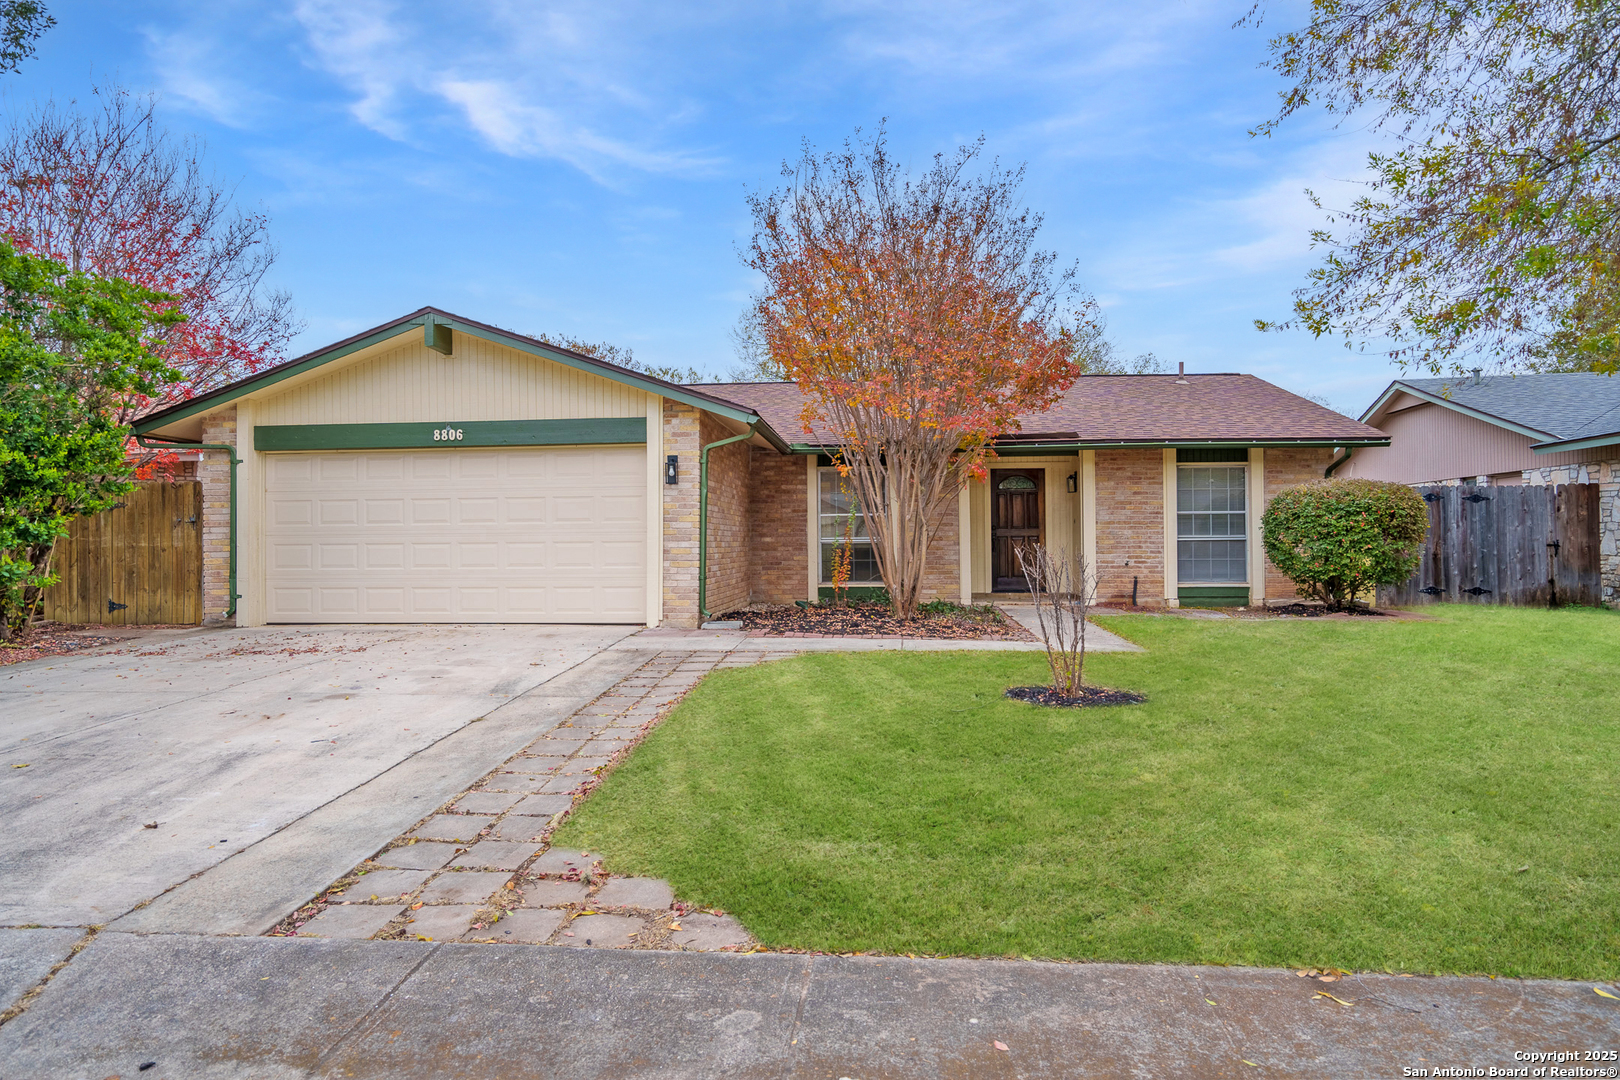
[{"x": 533, "y": 535}]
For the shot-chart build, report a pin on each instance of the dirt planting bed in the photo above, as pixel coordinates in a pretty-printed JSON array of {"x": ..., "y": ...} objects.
[{"x": 865, "y": 619}]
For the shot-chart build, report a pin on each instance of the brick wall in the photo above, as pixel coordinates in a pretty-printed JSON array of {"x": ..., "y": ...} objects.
[
  {"x": 941, "y": 576},
  {"x": 1130, "y": 525},
  {"x": 680, "y": 552},
  {"x": 728, "y": 554},
  {"x": 1285, "y": 468},
  {"x": 215, "y": 473},
  {"x": 778, "y": 562}
]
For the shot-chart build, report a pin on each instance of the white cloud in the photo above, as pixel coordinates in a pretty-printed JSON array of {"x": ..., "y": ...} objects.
[{"x": 359, "y": 42}]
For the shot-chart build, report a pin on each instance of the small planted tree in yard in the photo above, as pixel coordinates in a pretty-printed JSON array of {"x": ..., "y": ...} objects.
[
  {"x": 1338, "y": 538},
  {"x": 1061, "y": 592},
  {"x": 919, "y": 320}
]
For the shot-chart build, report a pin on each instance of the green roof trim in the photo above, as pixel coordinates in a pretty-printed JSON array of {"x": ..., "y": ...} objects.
[
  {"x": 452, "y": 435},
  {"x": 437, "y": 327},
  {"x": 1017, "y": 449},
  {"x": 1399, "y": 387},
  {"x": 1590, "y": 443}
]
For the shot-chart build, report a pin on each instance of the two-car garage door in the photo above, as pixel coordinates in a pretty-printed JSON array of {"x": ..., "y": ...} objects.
[{"x": 466, "y": 535}]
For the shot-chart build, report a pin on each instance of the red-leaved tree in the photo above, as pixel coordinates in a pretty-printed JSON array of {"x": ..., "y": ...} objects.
[
  {"x": 111, "y": 194},
  {"x": 920, "y": 321}
]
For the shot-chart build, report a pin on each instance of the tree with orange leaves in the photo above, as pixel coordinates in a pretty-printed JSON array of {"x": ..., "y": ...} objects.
[{"x": 919, "y": 320}]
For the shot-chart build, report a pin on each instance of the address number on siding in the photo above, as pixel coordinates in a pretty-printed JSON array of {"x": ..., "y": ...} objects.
[{"x": 447, "y": 434}]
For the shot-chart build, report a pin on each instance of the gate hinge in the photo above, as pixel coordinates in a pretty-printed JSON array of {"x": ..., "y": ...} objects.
[
  {"x": 113, "y": 605},
  {"x": 1430, "y": 590},
  {"x": 1476, "y": 591}
]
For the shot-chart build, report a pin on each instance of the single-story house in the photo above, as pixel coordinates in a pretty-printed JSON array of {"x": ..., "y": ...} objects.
[
  {"x": 437, "y": 469},
  {"x": 1558, "y": 428}
]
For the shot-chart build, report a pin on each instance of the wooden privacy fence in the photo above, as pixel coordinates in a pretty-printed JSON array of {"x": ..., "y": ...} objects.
[
  {"x": 139, "y": 563},
  {"x": 1535, "y": 545}
]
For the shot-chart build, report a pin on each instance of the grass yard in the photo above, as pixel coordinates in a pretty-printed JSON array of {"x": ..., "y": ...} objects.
[{"x": 1363, "y": 794}]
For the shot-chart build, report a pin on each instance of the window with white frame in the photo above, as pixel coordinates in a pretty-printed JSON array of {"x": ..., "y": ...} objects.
[
  {"x": 1212, "y": 523},
  {"x": 840, "y": 513}
]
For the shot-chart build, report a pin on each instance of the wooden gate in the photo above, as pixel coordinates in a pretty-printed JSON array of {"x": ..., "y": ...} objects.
[
  {"x": 136, "y": 564},
  {"x": 1531, "y": 545}
]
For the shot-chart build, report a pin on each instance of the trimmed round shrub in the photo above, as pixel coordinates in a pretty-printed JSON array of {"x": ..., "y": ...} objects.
[{"x": 1338, "y": 538}]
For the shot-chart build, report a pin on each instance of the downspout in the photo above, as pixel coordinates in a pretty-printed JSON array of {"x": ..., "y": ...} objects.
[
  {"x": 1328, "y": 473},
  {"x": 145, "y": 442},
  {"x": 703, "y": 517}
]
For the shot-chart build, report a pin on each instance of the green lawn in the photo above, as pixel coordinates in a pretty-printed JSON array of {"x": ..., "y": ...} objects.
[{"x": 1354, "y": 793}]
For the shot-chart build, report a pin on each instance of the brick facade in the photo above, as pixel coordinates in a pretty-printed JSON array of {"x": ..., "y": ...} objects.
[
  {"x": 778, "y": 562},
  {"x": 1285, "y": 468},
  {"x": 680, "y": 552},
  {"x": 215, "y": 473},
  {"x": 729, "y": 552},
  {"x": 1130, "y": 526},
  {"x": 941, "y": 576}
]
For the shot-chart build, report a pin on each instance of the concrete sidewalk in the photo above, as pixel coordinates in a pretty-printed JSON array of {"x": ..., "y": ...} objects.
[{"x": 262, "y": 1007}]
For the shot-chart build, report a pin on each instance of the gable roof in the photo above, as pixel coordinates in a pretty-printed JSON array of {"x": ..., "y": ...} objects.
[
  {"x": 1558, "y": 411},
  {"x": 1125, "y": 410},
  {"x": 428, "y": 318}
]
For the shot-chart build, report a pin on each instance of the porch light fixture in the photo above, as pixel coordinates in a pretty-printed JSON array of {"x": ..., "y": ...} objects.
[
  {"x": 1074, "y": 483},
  {"x": 672, "y": 469}
]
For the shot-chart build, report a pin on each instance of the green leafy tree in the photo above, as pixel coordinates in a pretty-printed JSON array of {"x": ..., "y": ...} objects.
[
  {"x": 21, "y": 24},
  {"x": 1338, "y": 538},
  {"x": 1492, "y": 228},
  {"x": 74, "y": 351}
]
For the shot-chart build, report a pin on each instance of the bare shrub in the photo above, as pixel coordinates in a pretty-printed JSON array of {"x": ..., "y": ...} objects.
[{"x": 1061, "y": 590}]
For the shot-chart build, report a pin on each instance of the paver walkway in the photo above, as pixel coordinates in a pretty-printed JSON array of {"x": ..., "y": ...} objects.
[{"x": 479, "y": 868}]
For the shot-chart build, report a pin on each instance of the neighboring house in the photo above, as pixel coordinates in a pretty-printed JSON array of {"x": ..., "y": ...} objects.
[
  {"x": 436, "y": 469},
  {"x": 1503, "y": 429}
]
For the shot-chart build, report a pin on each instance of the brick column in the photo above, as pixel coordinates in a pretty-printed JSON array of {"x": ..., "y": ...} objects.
[
  {"x": 680, "y": 548},
  {"x": 215, "y": 473}
]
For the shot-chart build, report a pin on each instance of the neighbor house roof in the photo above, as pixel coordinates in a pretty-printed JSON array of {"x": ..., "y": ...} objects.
[
  {"x": 1560, "y": 411},
  {"x": 1122, "y": 410}
]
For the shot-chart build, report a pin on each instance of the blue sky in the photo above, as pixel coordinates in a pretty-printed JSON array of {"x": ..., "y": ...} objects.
[{"x": 581, "y": 168}]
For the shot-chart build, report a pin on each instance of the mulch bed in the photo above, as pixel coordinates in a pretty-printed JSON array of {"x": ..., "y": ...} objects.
[
  {"x": 1314, "y": 611},
  {"x": 1088, "y": 696},
  {"x": 864, "y": 619},
  {"x": 43, "y": 643}
]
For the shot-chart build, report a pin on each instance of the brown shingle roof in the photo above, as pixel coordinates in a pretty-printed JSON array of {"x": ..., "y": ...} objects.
[{"x": 1122, "y": 409}]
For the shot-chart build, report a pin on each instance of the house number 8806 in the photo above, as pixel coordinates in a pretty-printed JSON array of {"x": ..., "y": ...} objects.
[{"x": 447, "y": 434}]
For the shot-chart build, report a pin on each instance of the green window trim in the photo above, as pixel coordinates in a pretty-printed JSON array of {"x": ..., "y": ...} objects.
[
  {"x": 450, "y": 434},
  {"x": 1213, "y": 595}
]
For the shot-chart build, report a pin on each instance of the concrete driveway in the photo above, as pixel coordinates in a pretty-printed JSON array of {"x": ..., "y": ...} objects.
[{"x": 264, "y": 756}]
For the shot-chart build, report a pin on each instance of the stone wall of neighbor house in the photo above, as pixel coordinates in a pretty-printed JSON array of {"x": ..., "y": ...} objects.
[
  {"x": 1130, "y": 525},
  {"x": 728, "y": 550},
  {"x": 214, "y": 470},
  {"x": 1285, "y": 468},
  {"x": 680, "y": 552},
  {"x": 1606, "y": 475},
  {"x": 778, "y": 570}
]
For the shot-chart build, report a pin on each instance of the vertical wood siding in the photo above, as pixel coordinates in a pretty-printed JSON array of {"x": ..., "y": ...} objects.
[
  {"x": 146, "y": 555},
  {"x": 482, "y": 381},
  {"x": 1429, "y": 443}
]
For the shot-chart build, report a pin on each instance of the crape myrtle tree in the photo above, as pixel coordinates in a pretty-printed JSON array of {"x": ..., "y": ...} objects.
[
  {"x": 108, "y": 193},
  {"x": 74, "y": 351},
  {"x": 1491, "y": 227},
  {"x": 918, "y": 319}
]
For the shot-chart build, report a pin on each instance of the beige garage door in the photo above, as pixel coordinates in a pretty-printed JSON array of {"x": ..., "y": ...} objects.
[{"x": 533, "y": 535}]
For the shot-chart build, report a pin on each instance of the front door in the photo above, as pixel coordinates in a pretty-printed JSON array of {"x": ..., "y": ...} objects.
[{"x": 1017, "y": 518}]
